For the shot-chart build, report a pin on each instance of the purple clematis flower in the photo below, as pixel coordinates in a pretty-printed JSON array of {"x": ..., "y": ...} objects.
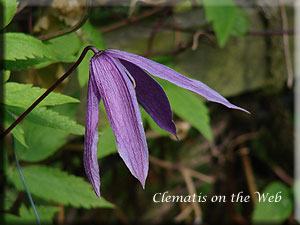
[{"x": 119, "y": 78}]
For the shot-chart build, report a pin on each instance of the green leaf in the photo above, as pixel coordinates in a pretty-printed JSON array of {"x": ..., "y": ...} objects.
[
  {"x": 65, "y": 47},
  {"x": 23, "y": 95},
  {"x": 42, "y": 142},
  {"x": 9, "y": 196},
  {"x": 17, "y": 132},
  {"x": 22, "y": 50},
  {"x": 90, "y": 36},
  {"x": 189, "y": 107},
  {"x": 70, "y": 44},
  {"x": 9, "y": 9},
  {"x": 6, "y": 75},
  {"x": 69, "y": 110},
  {"x": 106, "y": 143},
  {"x": 241, "y": 24},
  {"x": 273, "y": 212},
  {"x": 222, "y": 14},
  {"x": 24, "y": 46},
  {"x": 46, "y": 117},
  {"x": 19, "y": 64},
  {"x": 58, "y": 186},
  {"x": 27, "y": 216},
  {"x": 182, "y": 6}
]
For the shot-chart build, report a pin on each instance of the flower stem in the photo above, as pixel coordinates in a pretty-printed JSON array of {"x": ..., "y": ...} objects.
[
  {"x": 49, "y": 90},
  {"x": 25, "y": 186}
]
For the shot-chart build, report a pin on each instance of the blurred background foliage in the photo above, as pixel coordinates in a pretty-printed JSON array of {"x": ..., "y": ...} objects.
[{"x": 242, "y": 50}]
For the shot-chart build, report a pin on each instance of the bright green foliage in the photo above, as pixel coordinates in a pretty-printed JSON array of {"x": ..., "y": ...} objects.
[
  {"x": 70, "y": 44},
  {"x": 182, "y": 6},
  {"x": 19, "y": 64},
  {"x": 6, "y": 75},
  {"x": 274, "y": 212},
  {"x": 23, "y": 50},
  {"x": 188, "y": 107},
  {"x": 49, "y": 118},
  {"x": 90, "y": 36},
  {"x": 106, "y": 142},
  {"x": 9, "y": 9},
  {"x": 42, "y": 142},
  {"x": 23, "y": 95},
  {"x": 68, "y": 110},
  {"x": 65, "y": 47},
  {"x": 17, "y": 132},
  {"x": 241, "y": 24},
  {"x": 226, "y": 18},
  {"x": 10, "y": 196},
  {"x": 23, "y": 46},
  {"x": 52, "y": 184},
  {"x": 46, "y": 214}
]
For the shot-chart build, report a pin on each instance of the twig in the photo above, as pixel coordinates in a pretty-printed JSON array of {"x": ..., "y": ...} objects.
[
  {"x": 286, "y": 46},
  {"x": 282, "y": 174},
  {"x": 278, "y": 171},
  {"x": 30, "y": 22},
  {"x": 184, "y": 213},
  {"x": 70, "y": 216},
  {"x": 171, "y": 166},
  {"x": 49, "y": 90},
  {"x": 241, "y": 139},
  {"x": 215, "y": 152},
  {"x": 192, "y": 190},
  {"x": 21, "y": 7},
  {"x": 130, "y": 20},
  {"x": 249, "y": 173},
  {"x": 176, "y": 33},
  {"x": 148, "y": 2},
  {"x": 155, "y": 30},
  {"x": 197, "y": 33},
  {"x": 195, "y": 39},
  {"x": 271, "y": 32},
  {"x": 179, "y": 48},
  {"x": 115, "y": 14},
  {"x": 250, "y": 32},
  {"x": 121, "y": 215},
  {"x": 82, "y": 21},
  {"x": 61, "y": 214},
  {"x": 131, "y": 7}
]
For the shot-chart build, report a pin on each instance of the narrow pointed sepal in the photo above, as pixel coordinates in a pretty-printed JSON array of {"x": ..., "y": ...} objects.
[
  {"x": 152, "y": 97},
  {"x": 91, "y": 136},
  {"x": 174, "y": 77},
  {"x": 122, "y": 109}
]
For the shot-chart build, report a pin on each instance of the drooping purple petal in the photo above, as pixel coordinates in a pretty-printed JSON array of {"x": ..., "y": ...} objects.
[
  {"x": 91, "y": 135},
  {"x": 172, "y": 76},
  {"x": 152, "y": 97},
  {"x": 123, "y": 113}
]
